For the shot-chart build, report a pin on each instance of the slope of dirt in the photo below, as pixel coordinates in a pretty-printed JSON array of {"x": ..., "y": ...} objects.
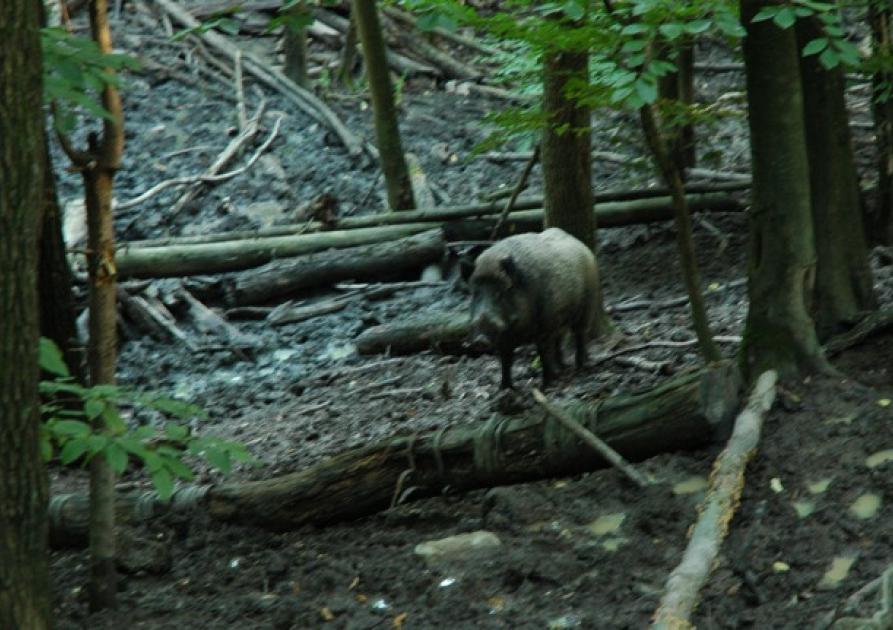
[{"x": 585, "y": 552}]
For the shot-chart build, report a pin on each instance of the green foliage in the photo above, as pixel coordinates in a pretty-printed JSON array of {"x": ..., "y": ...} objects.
[
  {"x": 75, "y": 72},
  {"x": 96, "y": 428},
  {"x": 833, "y": 48}
]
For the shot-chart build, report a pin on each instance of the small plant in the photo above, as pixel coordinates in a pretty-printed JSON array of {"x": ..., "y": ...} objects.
[{"x": 94, "y": 427}]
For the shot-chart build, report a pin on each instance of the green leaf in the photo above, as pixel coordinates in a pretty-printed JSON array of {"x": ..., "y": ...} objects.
[
  {"x": 116, "y": 457},
  {"x": 785, "y": 17},
  {"x": 46, "y": 445},
  {"x": 574, "y": 10},
  {"x": 73, "y": 450},
  {"x": 633, "y": 45},
  {"x": 180, "y": 469},
  {"x": 71, "y": 428},
  {"x": 646, "y": 90},
  {"x": 164, "y": 483},
  {"x": 671, "y": 31},
  {"x": 96, "y": 443},
  {"x": 113, "y": 420},
  {"x": 50, "y": 357},
  {"x": 93, "y": 408},
  {"x": 176, "y": 432},
  {"x": 633, "y": 29},
  {"x": 219, "y": 459},
  {"x": 829, "y": 59},
  {"x": 766, "y": 13},
  {"x": 697, "y": 27},
  {"x": 815, "y": 46}
]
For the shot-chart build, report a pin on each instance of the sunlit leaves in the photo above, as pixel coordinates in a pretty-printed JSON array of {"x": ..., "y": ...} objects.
[
  {"x": 75, "y": 72},
  {"x": 96, "y": 428}
]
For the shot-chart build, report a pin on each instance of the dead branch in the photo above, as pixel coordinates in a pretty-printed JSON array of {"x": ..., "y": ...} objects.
[
  {"x": 870, "y": 325},
  {"x": 682, "y": 589},
  {"x": 305, "y": 100},
  {"x": 455, "y": 38},
  {"x": 522, "y": 183},
  {"x": 213, "y": 173},
  {"x": 598, "y": 445}
]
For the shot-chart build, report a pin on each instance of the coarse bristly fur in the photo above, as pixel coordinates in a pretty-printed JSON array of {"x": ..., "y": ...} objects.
[{"x": 531, "y": 288}]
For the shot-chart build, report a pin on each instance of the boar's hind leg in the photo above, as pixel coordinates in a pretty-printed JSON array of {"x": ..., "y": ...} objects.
[
  {"x": 580, "y": 340},
  {"x": 506, "y": 358}
]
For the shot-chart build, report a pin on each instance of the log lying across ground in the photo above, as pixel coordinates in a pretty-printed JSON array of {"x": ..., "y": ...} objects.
[
  {"x": 181, "y": 259},
  {"x": 447, "y": 332},
  {"x": 684, "y": 413},
  {"x": 441, "y": 213},
  {"x": 366, "y": 262}
]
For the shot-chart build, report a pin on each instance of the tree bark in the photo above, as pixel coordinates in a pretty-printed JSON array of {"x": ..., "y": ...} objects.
[
  {"x": 384, "y": 111},
  {"x": 679, "y": 86},
  {"x": 348, "y": 60},
  {"x": 567, "y": 159},
  {"x": 295, "y": 48},
  {"x": 24, "y": 577},
  {"x": 880, "y": 221},
  {"x": 779, "y": 332},
  {"x": 57, "y": 309},
  {"x": 98, "y": 176},
  {"x": 844, "y": 286}
]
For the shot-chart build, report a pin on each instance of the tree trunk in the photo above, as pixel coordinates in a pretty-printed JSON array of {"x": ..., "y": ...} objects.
[
  {"x": 24, "y": 577},
  {"x": 567, "y": 159},
  {"x": 779, "y": 332},
  {"x": 98, "y": 175},
  {"x": 679, "y": 86},
  {"x": 348, "y": 59},
  {"x": 295, "y": 48},
  {"x": 670, "y": 171},
  {"x": 57, "y": 312},
  {"x": 844, "y": 284},
  {"x": 881, "y": 220},
  {"x": 384, "y": 111}
]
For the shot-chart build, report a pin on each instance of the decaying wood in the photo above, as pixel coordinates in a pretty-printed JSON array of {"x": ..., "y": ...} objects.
[
  {"x": 421, "y": 191},
  {"x": 684, "y": 413},
  {"x": 706, "y": 173},
  {"x": 364, "y": 262},
  {"x": 456, "y": 38},
  {"x": 450, "y": 67},
  {"x": 516, "y": 191},
  {"x": 154, "y": 317},
  {"x": 288, "y": 313},
  {"x": 447, "y": 332},
  {"x": 211, "y": 323},
  {"x": 609, "y": 454},
  {"x": 644, "y": 209},
  {"x": 307, "y": 101},
  {"x": 681, "y": 594},
  {"x": 181, "y": 260}
]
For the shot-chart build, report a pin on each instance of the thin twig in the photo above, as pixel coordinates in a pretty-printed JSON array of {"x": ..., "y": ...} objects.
[{"x": 522, "y": 183}]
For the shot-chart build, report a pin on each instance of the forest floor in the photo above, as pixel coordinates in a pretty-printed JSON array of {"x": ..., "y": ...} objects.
[{"x": 590, "y": 551}]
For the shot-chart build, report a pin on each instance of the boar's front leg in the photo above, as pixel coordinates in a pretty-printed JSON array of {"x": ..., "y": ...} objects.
[
  {"x": 506, "y": 358},
  {"x": 546, "y": 347}
]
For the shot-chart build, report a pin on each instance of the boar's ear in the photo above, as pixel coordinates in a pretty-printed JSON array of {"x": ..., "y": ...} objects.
[{"x": 507, "y": 263}]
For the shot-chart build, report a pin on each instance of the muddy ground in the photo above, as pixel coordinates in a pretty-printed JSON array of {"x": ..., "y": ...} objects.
[{"x": 584, "y": 552}]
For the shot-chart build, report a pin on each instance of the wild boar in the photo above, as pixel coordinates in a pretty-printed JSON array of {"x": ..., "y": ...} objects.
[{"x": 533, "y": 288}]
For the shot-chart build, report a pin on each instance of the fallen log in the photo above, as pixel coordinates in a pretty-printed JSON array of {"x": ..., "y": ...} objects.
[
  {"x": 446, "y": 332},
  {"x": 684, "y": 413},
  {"x": 682, "y": 590},
  {"x": 180, "y": 257},
  {"x": 365, "y": 262},
  {"x": 182, "y": 260}
]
